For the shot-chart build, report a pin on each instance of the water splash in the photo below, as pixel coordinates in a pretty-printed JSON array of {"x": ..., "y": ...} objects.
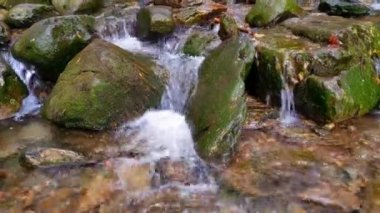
[
  {"x": 162, "y": 134},
  {"x": 31, "y": 105}
]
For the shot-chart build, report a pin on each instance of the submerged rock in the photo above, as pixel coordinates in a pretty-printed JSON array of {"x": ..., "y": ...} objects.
[
  {"x": 345, "y": 8},
  {"x": 102, "y": 86},
  {"x": 153, "y": 21},
  {"x": 199, "y": 43},
  {"x": 12, "y": 91},
  {"x": 43, "y": 157},
  {"x": 217, "y": 108},
  {"x": 266, "y": 12},
  {"x": 24, "y": 15},
  {"x": 77, "y": 6},
  {"x": 51, "y": 43}
]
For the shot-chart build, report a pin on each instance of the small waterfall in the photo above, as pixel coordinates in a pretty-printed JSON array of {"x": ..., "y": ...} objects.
[
  {"x": 163, "y": 135},
  {"x": 288, "y": 113},
  {"x": 182, "y": 69},
  {"x": 31, "y": 104}
]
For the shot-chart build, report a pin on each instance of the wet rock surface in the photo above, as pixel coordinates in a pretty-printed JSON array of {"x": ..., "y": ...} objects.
[
  {"x": 24, "y": 15},
  {"x": 101, "y": 86}
]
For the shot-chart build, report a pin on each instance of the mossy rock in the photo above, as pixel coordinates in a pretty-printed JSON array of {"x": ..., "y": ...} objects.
[
  {"x": 24, "y": 15},
  {"x": 345, "y": 8},
  {"x": 102, "y": 86},
  {"x": 228, "y": 27},
  {"x": 153, "y": 21},
  {"x": 66, "y": 7},
  {"x": 199, "y": 43},
  {"x": 266, "y": 12},
  {"x": 12, "y": 91},
  {"x": 354, "y": 92},
  {"x": 178, "y": 3},
  {"x": 218, "y": 108},
  {"x": 51, "y": 43},
  {"x": 11, "y": 3},
  {"x": 280, "y": 56}
]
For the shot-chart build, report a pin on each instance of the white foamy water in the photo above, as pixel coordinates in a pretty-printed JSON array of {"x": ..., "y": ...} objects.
[
  {"x": 31, "y": 105},
  {"x": 158, "y": 134}
]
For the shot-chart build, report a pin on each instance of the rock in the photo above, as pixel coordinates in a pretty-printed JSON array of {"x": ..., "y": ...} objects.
[
  {"x": 354, "y": 92},
  {"x": 217, "y": 108},
  {"x": 193, "y": 15},
  {"x": 228, "y": 27},
  {"x": 44, "y": 157},
  {"x": 322, "y": 75},
  {"x": 200, "y": 43},
  {"x": 12, "y": 91},
  {"x": 345, "y": 8},
  {"x": 178, "y": 3},
  {"x": 5, "y": 34},
  {"x": 77, "y": 6},
  {"x": 280, "y": 57},
  {"x": 24, "y": 15},
  {"x": 11, "y": 3},
  {"x": 267, "y": 12},
  {"x": 51, "y": 43},
  {"x": 102, "y": 86},
  {"x": 153, "y": 21}
]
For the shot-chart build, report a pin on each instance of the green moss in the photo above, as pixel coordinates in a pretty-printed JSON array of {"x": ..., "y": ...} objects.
[
  {"x": 218, "y": 107},
  {"x": 354, "y": 93},
  {"x": 77, "y": 6},
  {"x": 11, "y": 3},
  {"x": 102, "y": 86},
  {"x": 196, "y": 44},
  {"x": 24, "y": 15},
  {"x": 228, "y": 27},
  {"x": 154, "y": 20},
  {"x": 266, "y": 12},
  {"x": 51, "y": 43}
]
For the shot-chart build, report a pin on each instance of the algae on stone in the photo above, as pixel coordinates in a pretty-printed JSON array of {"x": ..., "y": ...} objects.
[
  {"x": 51, "y": 43},
  {"x": 266, "y": 12},
  {"x": 218, "y": 108},
  {"x": 77, "y": 6},
  {"x": 199, "y": 43},
  {"x": 102, "y": 86},
  {"x": 24, "y": 15}
]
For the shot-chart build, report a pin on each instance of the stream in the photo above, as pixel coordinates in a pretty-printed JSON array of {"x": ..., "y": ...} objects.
[{"x": 282, "y": 162}]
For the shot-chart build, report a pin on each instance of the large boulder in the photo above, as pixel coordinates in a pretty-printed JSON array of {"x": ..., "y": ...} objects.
[
  {"x": 218, "y": 108},
  {"x": 51, "y": 43},
  {"x": 24, "y": 15},
  {"x": 102, "y": 86},
  {"x": 77, "y": 6},
  {"x": 153, "y": 21},
  {"x": 12, "y": 91},
  {"x": 266, "y": 12},
  {"x": 345, "y": 8},
  {"x": 11, "y": 3}
]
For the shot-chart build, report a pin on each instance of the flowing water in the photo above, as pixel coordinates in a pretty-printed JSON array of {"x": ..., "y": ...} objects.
[
  {"x": 31, "y": 104},
  {"x": 151, "y": 165}
]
